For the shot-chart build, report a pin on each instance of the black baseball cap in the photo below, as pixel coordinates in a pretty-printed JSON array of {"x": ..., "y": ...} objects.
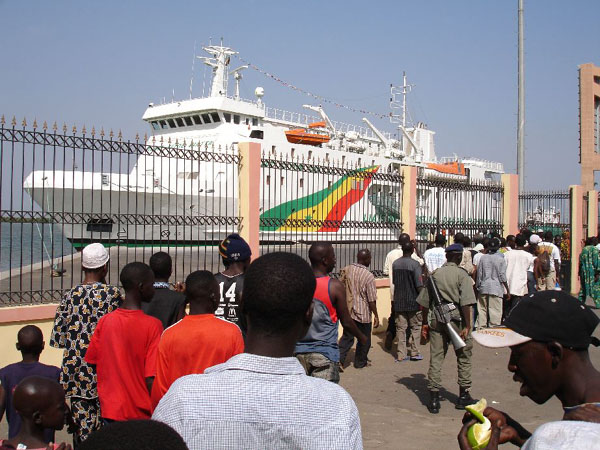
[{"x": 544, "y": 316}]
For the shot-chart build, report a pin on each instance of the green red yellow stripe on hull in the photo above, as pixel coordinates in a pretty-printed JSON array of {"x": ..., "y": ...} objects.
[{"x": 320, "y": 211}]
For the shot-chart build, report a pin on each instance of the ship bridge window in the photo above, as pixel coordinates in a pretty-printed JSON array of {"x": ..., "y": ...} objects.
[
  {"x": 206, "y": 118},
  {"x": 254, "y": 121},
  {"x": 155, "y": 126},
  {"x": 257, "y": 134},
  {"x": 247, "y": 121},
  {"x": 179, "y": 121},
  {"x": 227, "y": 117},
  {"x": 197, "y": 120},
  {"x": 163, "y": 124},
  {"x": 188, "y": 121},
  {"x": 171, "y": 123},
  {"x": 236, "y": 119},
  {"x": 215, "y": 117}
]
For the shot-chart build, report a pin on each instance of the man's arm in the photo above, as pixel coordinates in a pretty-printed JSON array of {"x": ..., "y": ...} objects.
[
  {"x": 2, "y": 402},
  {"x": 338, "y": 298}
]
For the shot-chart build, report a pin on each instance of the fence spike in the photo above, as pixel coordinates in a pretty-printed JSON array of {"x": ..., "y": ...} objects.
[
  {"x": 2, "y": 120},
  {"x": 93, "y": 131},
  {"x": 13, "y": 122},
  {"x": 102, "y": 132},
  {"x": 120, "y": 135},
  {"x": 55, "y": 127},
  {"x": 83, "y": 130},
  {"x": 74, "y": 129},
  {"x": 24, "y": 122},
  {"x": 137, "y": 137},
  {"x": 64, "y": 128},
  {"x": 169, "y": 141},
  {"x": 111, "y": 134},
  {"x": 45, "y": 126},
  {"x": 34, "y": 123},
  {"x": 145, "y": 137}
]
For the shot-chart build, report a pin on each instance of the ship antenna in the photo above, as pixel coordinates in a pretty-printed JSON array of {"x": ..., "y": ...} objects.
[{"x": 192, "y": 77}]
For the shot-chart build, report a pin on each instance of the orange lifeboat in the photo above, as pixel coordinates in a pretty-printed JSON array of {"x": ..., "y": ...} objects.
[
  {"x": 454, "y": 168},
  {"x": 301, "y": 136}
]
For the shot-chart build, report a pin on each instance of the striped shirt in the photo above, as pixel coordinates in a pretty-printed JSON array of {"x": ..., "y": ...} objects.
[
  {"x": 362, "y": 285},
  {"x": 259, "y": 402}
]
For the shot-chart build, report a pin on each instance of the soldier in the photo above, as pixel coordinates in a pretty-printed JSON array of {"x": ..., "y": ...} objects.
[{"x": 454, "y": 285}]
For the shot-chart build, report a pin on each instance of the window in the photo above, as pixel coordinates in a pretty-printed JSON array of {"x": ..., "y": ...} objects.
[
  {"x": 309, "y": 154},
  {"x": 597, "y": 124},
  {"x": 596, "y": 79},
  {"x": 236, "y": 119},
  {"x": 273, "y": 149},
  {"x": 188, "y": 121},
  {"x": 293, "y": 152},
  {"x": 281, "y": 181},
  {"x": 247, "y": 121},
  {"x": 171, "y": 123},
  {"x": 255, "y": 121},
  {"x": 268, "y": 180},
  {"x": 343, "y": 159},
  {"x": 215, "y": 117},
  {"x": 192, "y": 175},
  {"x": 326, "y": 156},
  {"x": 197, "y": 119},
  {"x": 163, "y": 124},
  {"x": 359, "y": 161},
  {"x": 155, "y": 126},
  {"x": 179, "y": 121},
  {"x": 227, "y": 117},
  {"x": 257, "y": 134},
  {"x": 301, "y": 183},
  {"x": 206, "y": 118}
]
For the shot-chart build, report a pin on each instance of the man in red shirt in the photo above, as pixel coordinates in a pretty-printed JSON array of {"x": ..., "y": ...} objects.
[
  {"x": 198, "y": 341},
  {"x": 124, "y": 348}
]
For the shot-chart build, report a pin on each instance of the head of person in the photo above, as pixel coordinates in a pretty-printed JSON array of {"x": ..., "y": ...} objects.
[
  {"x": 94, "y": 261},
  {"x": 407, "y": 249},
  {"x": 548, "y": 236},
  {"x": 494, "y": 245},
  {"x": 137, "y": 280},
  {"x": 557, "y": 240},
  {"x": 526, "y": 232},
  {"x": 535, "y": 239},
  {"x": 478, "y": 239},
  {"x": 503, "y": 242},
  {"x": 440, "y": 240},
  {"x": 30, "y": 340},
  {"x": 235, "y": 250},
  {"x": 510, "y": 241},
  {"x": 404, "y": 237},
  {"x": 454, "y": 253},
  {"x": 486, "y": 243},
  {"x": 40, "y": 402},
  {"x": 278, "y": 296},
  {"x": 458, "y": 238},
  {"x": 146, "y": 434},
  {"x": 322, "y": 256},
  {"x": 162, "y": 265},
  {"x": 202, "y": 291},
  {"x": 548, "y": 333},
  {"x": 520, "y": 241},
  {"x": 589, "y": 241},
  {"x": 466, "y": 242},
  {"x": 364, "y": 257}
]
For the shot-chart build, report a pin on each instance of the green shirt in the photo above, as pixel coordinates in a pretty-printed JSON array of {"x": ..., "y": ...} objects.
[{"x": 454, "y": 284}]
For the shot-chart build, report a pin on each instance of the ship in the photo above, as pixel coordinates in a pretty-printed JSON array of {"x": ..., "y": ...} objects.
[{"x": 171, "y": 186}]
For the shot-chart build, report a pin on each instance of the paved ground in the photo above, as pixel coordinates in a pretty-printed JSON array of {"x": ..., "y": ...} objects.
[{"x": 391, "y": 399}]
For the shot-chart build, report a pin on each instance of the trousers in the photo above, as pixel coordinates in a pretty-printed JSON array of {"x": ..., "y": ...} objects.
[
  {"x": 439, "y": 341},
  {"x": 319, "y": 366},
  {"x": 362, "y": 352},
  {"x": 489, "y": 309},
  {"x": 408, "y": 321},
  {"x": 547, "y": 283}
]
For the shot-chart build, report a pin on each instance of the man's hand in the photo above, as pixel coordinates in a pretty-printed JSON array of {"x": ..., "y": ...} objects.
[
  {"x": 510, "y": 430},
  {"x": 463, "y": 440},
  {"x": 464, "y": 332},
  {"x": 375, "y": 322},
  {"x": 424, "y": 334}
]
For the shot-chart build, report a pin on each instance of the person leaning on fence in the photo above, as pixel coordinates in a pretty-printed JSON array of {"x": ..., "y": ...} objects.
[
  {"x": 76, "y": 318},
  {"x": 455, "y": 286}
]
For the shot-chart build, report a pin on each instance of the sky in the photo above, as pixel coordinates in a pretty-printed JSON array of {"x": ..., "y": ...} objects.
[{"x": 101, "y": 63}]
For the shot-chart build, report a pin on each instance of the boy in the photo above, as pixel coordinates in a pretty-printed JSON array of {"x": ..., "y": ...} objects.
[
  {"x": 124, "y": 347},
  {"x": 40, "y": 403},
  {"x": 167, "y": 305},
  {"x": 30, "y": 342},
  {"x": 200, "y": 340}
]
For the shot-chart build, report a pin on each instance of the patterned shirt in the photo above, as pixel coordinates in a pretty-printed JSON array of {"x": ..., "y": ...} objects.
[
  {"x": 255, "y": 401},
  {"x": 362, "y": 285},
  {"x": 76, "y": 318}
]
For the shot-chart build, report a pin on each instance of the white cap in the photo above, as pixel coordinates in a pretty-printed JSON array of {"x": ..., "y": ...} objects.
[
  {"x": 535, "y": 239},
  {"x": 497, "y": 337},
  {"x": 94, "y": 256},
  {"x": 478, "y": 247}
]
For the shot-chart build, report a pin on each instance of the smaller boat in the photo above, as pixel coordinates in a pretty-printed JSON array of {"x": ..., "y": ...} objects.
[{"x": 312, "y": 137}]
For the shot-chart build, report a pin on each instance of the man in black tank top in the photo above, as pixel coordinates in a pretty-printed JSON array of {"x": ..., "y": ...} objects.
[{"x": 236, "y": 254}]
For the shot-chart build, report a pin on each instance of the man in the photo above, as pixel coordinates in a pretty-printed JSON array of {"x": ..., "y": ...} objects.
[
  {"x": 407, "y": 285},
  {"x": 200, "y": 340},
  {"x": 361, "y": 284},
  {"x": 392, "y": 256},
  {"x": 491, "y": 284},
  {"x": 436, "y": 257},
  {"x": 467, "y": 259},
  {"x": 518, "y": 262},
  {"x": 76, "y": 318},
  {"x": 455, "y": 286},
  {"x": 167, "y": 305},
  {"x": 236, "y": 254},
  {"x": 318, "y": 351},
  {"x": 263, "y": 398},
  {"x": 548, "y": 282},
  {"x": 548, "y": 334}
]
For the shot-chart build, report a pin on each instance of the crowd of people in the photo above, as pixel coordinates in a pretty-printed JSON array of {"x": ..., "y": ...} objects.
[{"x": 250, "y": 357}]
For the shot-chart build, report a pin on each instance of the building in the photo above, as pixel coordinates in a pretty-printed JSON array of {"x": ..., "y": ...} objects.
[{"x": 589, "y": 124}]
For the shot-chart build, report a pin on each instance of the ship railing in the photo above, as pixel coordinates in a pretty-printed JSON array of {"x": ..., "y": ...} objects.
[{"x": 488, "y": 165}]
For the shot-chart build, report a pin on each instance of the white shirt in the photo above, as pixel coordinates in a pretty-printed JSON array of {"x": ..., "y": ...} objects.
[
  {"x": 260, "y": 403},
  {"x": 552, "y": 250},
  {"x": 517, "y": 263},
  {"x": 434, "y": 258},
  {"x": 564, "y": 435},
  {"x": 389, "y": 260}
]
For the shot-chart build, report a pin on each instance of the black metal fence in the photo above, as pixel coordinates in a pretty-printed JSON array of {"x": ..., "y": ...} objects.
[
  {"x": 351, "y": 206},
  {"x": 449, "y": 206},
  {"x": 545, "y": 210},
  {"x": 60, "y": 191}
]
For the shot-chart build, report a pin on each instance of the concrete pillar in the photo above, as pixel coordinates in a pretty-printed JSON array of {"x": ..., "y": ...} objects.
[
  {"x": 249, "y": 194},
  {"x": 577, "y": 236},
  {"x": 592, "y": 214},
  {"x": 409, "y": 201},
  {"x": 510, "y": 204}
]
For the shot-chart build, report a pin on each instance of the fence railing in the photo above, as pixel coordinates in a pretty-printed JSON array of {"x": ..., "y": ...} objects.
[
  {"x": 451, "y": 206},
  {"x": 545, "y": 210},
  {"x": 61, "y": 191},
  {"x": 352, "y": 207}
]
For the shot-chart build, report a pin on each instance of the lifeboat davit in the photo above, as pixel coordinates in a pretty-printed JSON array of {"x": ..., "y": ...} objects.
[{"x": 302, "y": 136}]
